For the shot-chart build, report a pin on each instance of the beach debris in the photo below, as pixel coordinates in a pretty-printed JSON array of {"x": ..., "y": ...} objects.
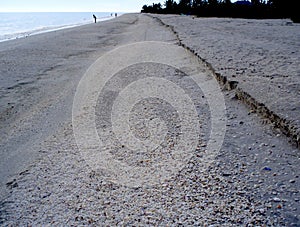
[{"x": 266, "y": 168}]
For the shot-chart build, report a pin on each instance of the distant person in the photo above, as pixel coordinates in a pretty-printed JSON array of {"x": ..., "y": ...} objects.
[
  {"x": 116, "y": 14},
  {"x": 95, "y": 18},
  {"x": 111, "y": 14}
]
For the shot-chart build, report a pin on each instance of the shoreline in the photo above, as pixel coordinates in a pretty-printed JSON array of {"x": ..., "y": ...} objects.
[{"x": 37, "y": 31}]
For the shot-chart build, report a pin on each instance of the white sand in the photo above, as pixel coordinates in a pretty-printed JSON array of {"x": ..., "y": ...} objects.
[
  {"x": 262, "y": 55},
  {"x": 38, "y": 78}
]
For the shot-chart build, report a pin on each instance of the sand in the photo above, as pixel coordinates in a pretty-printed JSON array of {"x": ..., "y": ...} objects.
[
  {"x": 252, "y": 180},
  {"x": 261, "y": 55},
  {"x": 39, "y": 75}
]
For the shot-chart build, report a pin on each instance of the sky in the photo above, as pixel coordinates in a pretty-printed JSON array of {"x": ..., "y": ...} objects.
[{"x": 74, "y": 5}]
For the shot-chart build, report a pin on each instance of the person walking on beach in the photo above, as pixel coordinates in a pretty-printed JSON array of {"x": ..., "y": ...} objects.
[
  {"x": 95, "y": 18},
  {"x": 116, "y": 14}
]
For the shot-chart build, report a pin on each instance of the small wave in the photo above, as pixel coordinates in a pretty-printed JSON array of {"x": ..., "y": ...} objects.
[{"x": 44, "y": 29}]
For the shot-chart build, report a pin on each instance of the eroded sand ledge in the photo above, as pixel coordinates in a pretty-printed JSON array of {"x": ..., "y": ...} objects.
[{"x": 258, "y": 58}]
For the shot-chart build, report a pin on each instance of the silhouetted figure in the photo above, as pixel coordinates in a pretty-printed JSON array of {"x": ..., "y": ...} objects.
[
  {"x": 116, "y": 14},
  {"x": 95, "y": 18}
]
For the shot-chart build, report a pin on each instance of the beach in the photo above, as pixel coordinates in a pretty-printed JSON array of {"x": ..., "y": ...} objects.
[
  {"x": 33, "y": 77},
  {"x": 253, "y": 177},
  {"x": 263, "y": 60}
]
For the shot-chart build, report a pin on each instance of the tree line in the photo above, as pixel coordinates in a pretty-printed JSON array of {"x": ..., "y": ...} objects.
[{"x": 254, "y": 9}]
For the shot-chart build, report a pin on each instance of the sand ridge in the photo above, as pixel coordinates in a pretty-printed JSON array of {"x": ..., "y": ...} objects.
[{"x": 261, "y": 57}]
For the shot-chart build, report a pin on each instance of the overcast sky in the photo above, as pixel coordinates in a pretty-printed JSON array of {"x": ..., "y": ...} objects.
[{"x": 73, "y": 5}]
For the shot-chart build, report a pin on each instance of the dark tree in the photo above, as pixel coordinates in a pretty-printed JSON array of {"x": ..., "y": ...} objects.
[
  {"x": 255, "y": 2},
  {"x": 227, "y": 2},
  {"x": 145, "y": 9},
  {"x": 259, "y": 9},
  {"x": 213, "y": 3},
  {"x": 185, "y": 6},
  {"x": 170, "y": 6},
  {"x": 155, "y": 8},
  {"x": 197, "y": 4},
  {"x": 285, "y": 9}
]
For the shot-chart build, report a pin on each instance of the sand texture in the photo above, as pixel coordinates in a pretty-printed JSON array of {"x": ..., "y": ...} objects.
[
  {"x": 263, "y": 56},
  {"x": 252, "y": 179}
]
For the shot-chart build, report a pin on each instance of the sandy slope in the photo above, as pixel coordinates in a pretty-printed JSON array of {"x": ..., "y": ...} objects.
[{"x": 38, "y": 78}]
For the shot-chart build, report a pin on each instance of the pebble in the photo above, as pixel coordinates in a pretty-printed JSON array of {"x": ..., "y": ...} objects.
[
  {"x": 262, "y": 211},
  {"x": 266, "y": 168},
  {"x": 226, "y": 174},
  {"x": 276, "y": 199}
]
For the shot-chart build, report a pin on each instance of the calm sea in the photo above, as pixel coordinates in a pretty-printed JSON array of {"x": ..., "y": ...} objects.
[{"x": 17, "y": 25}]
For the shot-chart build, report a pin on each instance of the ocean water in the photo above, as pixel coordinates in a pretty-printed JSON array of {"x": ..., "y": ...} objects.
[{"x": 18, "y": 25}]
